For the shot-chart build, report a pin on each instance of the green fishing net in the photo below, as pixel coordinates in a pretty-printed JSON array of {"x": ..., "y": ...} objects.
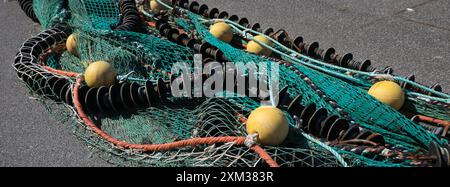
[{"x": 147, "y": 55}]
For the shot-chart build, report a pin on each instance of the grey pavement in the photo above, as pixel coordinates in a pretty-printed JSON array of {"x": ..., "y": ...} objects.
[
  {"x": 412, "y": 36},
  {"x": 29, "y": 136}
]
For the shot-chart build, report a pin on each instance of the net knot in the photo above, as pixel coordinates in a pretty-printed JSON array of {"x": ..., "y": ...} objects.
[
  {"x": 250, "y": 140},
  {"x": 246, "y": 34},
  {"x": 80, "y": 76},
  {"x": 125, "y": 77}
]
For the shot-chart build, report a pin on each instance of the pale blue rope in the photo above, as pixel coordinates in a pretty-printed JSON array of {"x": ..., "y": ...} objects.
[{"x": 328, "y": 148}]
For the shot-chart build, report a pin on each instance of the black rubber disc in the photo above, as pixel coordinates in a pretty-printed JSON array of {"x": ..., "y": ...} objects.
[
  {"x": 126, "y": 97},
  {"x": 69, "y": 98},
  {"x": 134, "y": 93},
  {"x": 326, "y": 125},
  {"x": 48, "y": 90},
  {"x": 296, "y": 107},
  {"x": 91, "y": 100},
  {"x": 435, "y": 151},
  {"x": 351, "y": 133},
  {"x": 314, "y": 124},
  {"x": 114, "y": 98},
  {"x": 363, "y": 135},
  {"x": 336, "y": 128},
  {"x": 63, "y": 92},
  {"x": 102, "y": 99},
  {"x": 149, "y": 92},
  {"x": 57, "y": 87},
  {"x": 283, "y": 96},
  {"x": 376, "y": 138},
  {"x": 307, "y": 114}
]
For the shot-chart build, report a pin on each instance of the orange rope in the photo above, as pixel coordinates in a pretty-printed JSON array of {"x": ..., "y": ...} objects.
[
  {"x": 167, "y": 146},
  {"x": 266, "y": 157},
  {"x": 433, "y": 120},
  {"x": 151, "y": 24},
  {"x": 60, "y": 72}
]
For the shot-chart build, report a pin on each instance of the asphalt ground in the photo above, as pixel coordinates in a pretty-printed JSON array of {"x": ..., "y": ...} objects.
[{"x": 412, "y": 36}]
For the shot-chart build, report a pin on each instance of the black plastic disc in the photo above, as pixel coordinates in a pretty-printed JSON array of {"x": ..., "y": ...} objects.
[
  {"x": 114, "y": 97},
  {"x": 134, "y": 93},
  {"x": 91, "y": 100},
  {"x": 336, "y": 129},
  {"x": 256, "y": 27},
  {"x": 364, "y": 134},
  {"x": 26, "y": 77},
  {"x": 327, "y": 56},
  {"x": 172, "y": 35},
  {"x": 223, "y": 15},
  {"x": 161, "y": 88},
  {"x": 233, "y": 18},
  {"x": 298, "y": 41},
  {"x": 48, "y": 90},
  {"x": 268, "y": 31},
  {"x": 183, "y": 3},
  {"x": 295, "y": 107},
  {"x": 126, "y": 97},
  {"x": 326, "y": 125},
  {"x": 149, "y": 93},
  {"x": 351, "y": 133},
  {"x": 194, "y": 7},
  {"x": 204, "y": 48},
  {"x": 363, "y": 66},
  {"x": 376, "y": 138},
  {"x": 42, "y": 83},
  {"x": 312, "y": 47},
  {"x": 307, "y": 114},
  {"x": 283, "y": 96},
  {"x": 214, "y": 13},
  {"x": 82, "y": 91},
  {"x": 69, "y": 98},
  {"x": 244, "y": 22},
  {"x": 345, "y": 59},
  {"x": 314, "y": 124},
  {"x": 102, "y": 99},
  {"x": 37, "y": 82},
  {"x": 445, "y": 157},
  {"x": 183, "y": 39},
  {"x": 63, "y": 92},
  {"x": 435, "y": 151},
  {"x": 203, "y": 10},
  {"x": 57, "y": 87}
]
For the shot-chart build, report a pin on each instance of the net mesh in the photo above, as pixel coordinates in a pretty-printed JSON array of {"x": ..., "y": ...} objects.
[{"x": 148, "y": 56}]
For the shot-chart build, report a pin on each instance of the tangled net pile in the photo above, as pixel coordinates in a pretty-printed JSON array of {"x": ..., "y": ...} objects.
[{"x": 137, "y": 122}]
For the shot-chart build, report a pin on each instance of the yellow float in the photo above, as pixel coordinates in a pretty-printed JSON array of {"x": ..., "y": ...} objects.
[
  {"x": 270, "y": 124},
  {"x": 99, "y": 74},
  {"x": 222, "y": 31},
  {"x": 156, "y": 7},
  {"x": 256, "y": 48},
  {"x": 389, "y": 93},
  {"x": 71, "y": 45}
]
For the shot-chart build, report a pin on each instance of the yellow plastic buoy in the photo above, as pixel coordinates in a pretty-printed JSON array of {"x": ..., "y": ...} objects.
[
  {"x": 256, "y": 48},
  {"x": 156, "y": 7},
  {"x": 389, "y": 93},
  {"x": 270, "y": 124},
  {"x": 222, "y": 31},
  {"x": 99, "y": 74},
  {"x": 71, "y": 45}
]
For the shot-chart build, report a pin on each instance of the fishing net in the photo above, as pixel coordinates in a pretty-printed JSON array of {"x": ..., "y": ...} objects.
[{"x": 164, "y": 130}]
